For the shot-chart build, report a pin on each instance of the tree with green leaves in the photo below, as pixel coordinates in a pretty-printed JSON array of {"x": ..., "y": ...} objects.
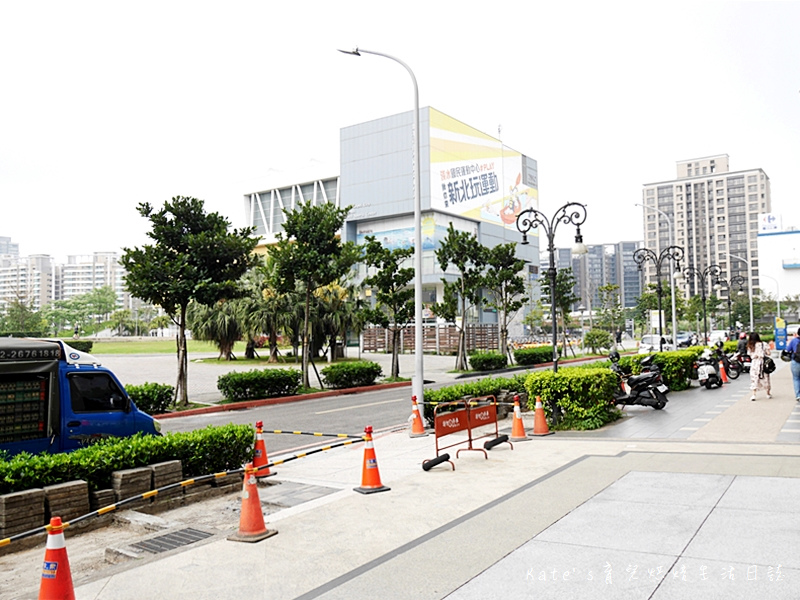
[
  {"x": 564, "y": 297},
  {"x": 394, "y": 298},
  {"x": 121, "y": 321},
  {"x": 609, "y": 313},
  {"x": 19, "y": 318},
  {"x": 505, "y": 286},
  {"x": 218, "y": 323},
  {"x": 462, "y": 250},
  {"x": 195, "y": 257},
  {"x": 310, "y": 255}
]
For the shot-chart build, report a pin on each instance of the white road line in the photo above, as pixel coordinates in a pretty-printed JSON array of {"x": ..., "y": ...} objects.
[
  {"x": 357, "y": 406},
  {"x": 688, "y": 429},
  {"x": 702, "y": 420}
]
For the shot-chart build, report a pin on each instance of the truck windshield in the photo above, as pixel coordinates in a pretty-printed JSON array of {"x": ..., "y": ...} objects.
[{"x": 95, "y": 392}]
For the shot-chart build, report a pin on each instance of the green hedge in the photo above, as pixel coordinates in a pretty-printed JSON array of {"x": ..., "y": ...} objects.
[
  {"x": 488, "y": 386},
  {"x": 258, "y": 384},
  {"x": 351, "y": 374},
  {"x": 152, "y": 398},
  {"x": 583, "y": 395},
  {"x": 202, "y": 452},
  {"x": 533, "y": 356},
  {"x": 488, "y": 360}
]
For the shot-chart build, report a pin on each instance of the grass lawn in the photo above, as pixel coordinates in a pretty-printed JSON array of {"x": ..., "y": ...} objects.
[{"x": 157, "y": 346}]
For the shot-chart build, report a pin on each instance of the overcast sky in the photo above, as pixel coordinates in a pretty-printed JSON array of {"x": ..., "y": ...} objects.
[{"x": 105, "y": 105}]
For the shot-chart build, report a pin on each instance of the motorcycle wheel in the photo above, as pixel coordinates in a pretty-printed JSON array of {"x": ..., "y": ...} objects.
[
  {"x": 661, "y": 398},
  {"x": 734, "y": 371},
  {"x": 709, "y": 384}
]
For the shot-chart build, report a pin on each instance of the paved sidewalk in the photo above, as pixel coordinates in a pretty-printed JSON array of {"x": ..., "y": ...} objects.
[{"x": 711, "y": 514}]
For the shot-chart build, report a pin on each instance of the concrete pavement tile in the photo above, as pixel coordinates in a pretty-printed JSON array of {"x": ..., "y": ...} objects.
[
  {"x": 749, "y": 536},
  {"x": 773, "y": 494},
  {"x": 691, "y": 579},
  {"x": 688, "y": 489},
  {"x": 630, "y": 526},
  {"x": 548, "y": 570}
]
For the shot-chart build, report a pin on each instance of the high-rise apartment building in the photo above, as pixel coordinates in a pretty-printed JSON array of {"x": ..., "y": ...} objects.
[
  {"x": 714, "y": 216},
  {"x": 7, "y": 247},
  {"x": 30, "y": 280}
]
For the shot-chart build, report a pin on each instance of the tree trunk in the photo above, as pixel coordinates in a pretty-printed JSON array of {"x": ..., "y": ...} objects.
[
  {"x": 181, "y": 387},
  {"x": 395, "y": 352},
  {"x": 306, "y": 344},
  {"x": 461, "y": 355},
  {"x": 273, "y": 346}
]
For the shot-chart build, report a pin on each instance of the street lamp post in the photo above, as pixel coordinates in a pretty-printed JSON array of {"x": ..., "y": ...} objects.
[
  {"x": 710, "y": 274},
  {"x": 672, "y": 253},
  {"x": 572, "y": 212},
  {"x": 749, "y": 285},
  {"x": 671, "y": 273},
  {"x": 417, "y": 383},
  {"x": 735, "y": 280}
]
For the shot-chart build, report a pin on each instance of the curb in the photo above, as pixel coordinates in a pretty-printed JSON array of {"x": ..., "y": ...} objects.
[{"x": 283, "y": 400}]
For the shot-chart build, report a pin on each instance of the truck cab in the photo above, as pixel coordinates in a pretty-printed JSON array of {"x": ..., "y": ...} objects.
[{"x": 54, "y": 398}]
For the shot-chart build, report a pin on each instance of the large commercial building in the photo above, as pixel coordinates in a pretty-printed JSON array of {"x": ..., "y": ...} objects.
[
  {"x": 714, "y": 214},
  {"x": 30, "y": 280},
  {"x": 467, "y": 178}
]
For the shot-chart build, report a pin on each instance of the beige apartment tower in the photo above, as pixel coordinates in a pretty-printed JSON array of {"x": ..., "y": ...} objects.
[{"x": 714, "y": 214}]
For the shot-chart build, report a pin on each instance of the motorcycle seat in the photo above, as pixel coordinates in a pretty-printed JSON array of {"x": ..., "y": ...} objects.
[{"x": 635, "y": 379}]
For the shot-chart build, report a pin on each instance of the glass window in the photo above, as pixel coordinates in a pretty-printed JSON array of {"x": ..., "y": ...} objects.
[{"x": 95, "y": 392}]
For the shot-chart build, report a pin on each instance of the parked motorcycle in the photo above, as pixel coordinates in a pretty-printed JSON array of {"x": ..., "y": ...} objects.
[
  {"x": 707, "y": 373},
  {"x": 743, "y": 359},
  {"x": 732, "y": 369},
  {"x": 645, "y": 389}
]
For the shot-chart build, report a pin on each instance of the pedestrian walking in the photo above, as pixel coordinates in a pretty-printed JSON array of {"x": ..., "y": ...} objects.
[
  {"x": 793, "y": 350},
  {"x": 759, "y": 380}
]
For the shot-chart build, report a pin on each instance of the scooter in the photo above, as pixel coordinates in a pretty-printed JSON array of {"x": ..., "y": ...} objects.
[
  {"x": 707, "y": 373},
  {"x": 645, "y": 389},
  {"x": 743, "y": 359},
  {"x": 732, "y": 369}
]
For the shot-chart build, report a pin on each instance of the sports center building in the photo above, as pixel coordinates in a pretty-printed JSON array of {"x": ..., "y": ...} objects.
[{"x": 468, "y": 178}]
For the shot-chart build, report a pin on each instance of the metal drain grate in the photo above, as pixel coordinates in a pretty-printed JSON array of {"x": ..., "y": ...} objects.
[{"x": 170, "y": 541}]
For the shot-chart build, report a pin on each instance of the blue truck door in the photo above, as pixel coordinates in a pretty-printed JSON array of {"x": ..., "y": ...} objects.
[{"x": 94, "y": 406}]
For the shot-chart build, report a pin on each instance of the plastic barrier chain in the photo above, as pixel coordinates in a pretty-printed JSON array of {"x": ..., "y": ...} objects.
[{"x": 181, "y": 484}]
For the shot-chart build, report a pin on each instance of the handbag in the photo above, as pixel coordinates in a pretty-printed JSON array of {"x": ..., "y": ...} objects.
[{"x": 769, "y": 365}]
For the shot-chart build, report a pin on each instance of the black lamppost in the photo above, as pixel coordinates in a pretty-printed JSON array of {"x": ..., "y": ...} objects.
[
  {"x": 710, "y": 274},
  {"x": 735, "y": 280},
  {"x": 641, "y": 256}
]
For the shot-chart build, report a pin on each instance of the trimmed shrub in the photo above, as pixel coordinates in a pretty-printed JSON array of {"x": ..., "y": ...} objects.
[
  {"x": 488, "y": 386},
  {"x": 584, "y": 396},
  {"x": 152, "y": 398},
  {"x": 351, "y": 374},
  {"x": 257, "y": 384},
  {"x": 533, "y": 356},
  {"x": 596, "y": 339},
  {"x": 201, "y": 452},
  {"x": 488, "y": 360}
]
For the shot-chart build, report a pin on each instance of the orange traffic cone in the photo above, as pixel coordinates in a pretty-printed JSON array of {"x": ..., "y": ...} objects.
[
  {"x": 417, "y": 428},
  {"x": 260, "y": 457},
  {"x": 540, "y": 419},
  {"x": 370, "y": 477},
  {"x": 517, "y": 428},
  {"x": 56, "y": 575},
  {"x": 251, "y": 520},
  {"x": 723, "y": 375}
]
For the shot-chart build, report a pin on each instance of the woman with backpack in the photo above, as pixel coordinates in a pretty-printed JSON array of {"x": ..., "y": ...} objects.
[
  {"x": 759, "y": 380},
  {"x": 793, "y": 350}
]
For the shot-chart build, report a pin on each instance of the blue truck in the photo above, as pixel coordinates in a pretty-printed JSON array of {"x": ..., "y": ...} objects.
[{"x": 54, "y": 398}]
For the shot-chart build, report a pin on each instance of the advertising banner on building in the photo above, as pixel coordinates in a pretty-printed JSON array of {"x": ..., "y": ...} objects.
[{"x": 475, "y": 176}]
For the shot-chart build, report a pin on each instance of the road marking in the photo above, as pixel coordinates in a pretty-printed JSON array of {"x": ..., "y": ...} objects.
[
  {"x": 703, "y": 420},
  {"x": 713, "y": 412},
  {"x": 688, "y": 429},
  {"x": 790, "y": 430},
  {"x": 356, "y": 406}
]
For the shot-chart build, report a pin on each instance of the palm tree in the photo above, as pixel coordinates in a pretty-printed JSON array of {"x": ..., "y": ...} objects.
[{"x": 218, "y": 324}]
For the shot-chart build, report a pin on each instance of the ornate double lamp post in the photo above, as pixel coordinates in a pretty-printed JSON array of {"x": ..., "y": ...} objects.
[
  {"x": 708, "y": 275},
  {"x": 671, "y": 253},
  {"x": 572, "y": 212},
  {"x": 736, "y": 280}
]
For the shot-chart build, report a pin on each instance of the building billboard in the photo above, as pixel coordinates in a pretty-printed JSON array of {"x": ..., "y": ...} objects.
[{"x": 475, "y": 176}]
